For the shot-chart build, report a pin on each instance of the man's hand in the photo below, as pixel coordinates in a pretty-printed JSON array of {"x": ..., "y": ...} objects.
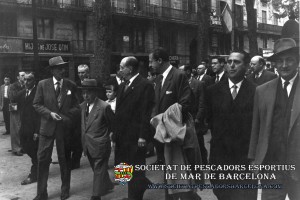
[
  {"x": 55, "y": 116},
  {"x": 141, "y": 142},
  {"x": 35, "y": 137}
]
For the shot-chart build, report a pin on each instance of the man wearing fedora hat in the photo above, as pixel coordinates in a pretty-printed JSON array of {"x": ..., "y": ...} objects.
[
  {"x": 96, "y": 125},
  {"x": 275, "y": 137},
  {"x": 55, "y": 101}
]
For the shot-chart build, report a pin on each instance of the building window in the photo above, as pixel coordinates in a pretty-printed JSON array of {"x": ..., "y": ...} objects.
[
  {"x": 138, "y": 40},
  {"x": 265, "y": 42},
  {"x": 47, "y": 2},
  {"x": 81, "y": 34},
  {"x": 8, "y": 24},
  {"x": 45, "y": 28},
  {"x": 264, "y": 17},
  {"x": 78, "y": 2}
]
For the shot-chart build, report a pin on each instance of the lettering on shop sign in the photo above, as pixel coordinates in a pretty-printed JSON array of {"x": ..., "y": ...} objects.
[
  {"x": 174, "y": 60},
  {"x": 50, "y": 46},
  {"x": 4, "y": 48}
]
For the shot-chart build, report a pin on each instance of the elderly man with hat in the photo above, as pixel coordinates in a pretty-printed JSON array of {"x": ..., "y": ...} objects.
[
  {"x": 55, "y": 101},
  {"x": 96, "y": 125},
  {"x": 275, "y": 137}
]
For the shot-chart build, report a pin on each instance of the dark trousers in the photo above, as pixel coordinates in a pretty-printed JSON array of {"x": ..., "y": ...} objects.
[
  {"x": 236, "y": 194},
  {"x": 6, "y": 114},
  {"x": 200, "y": 135},
  {"x": 289, "y": 187},
  {"x": 44, "y": 159},
  {"x": 133, "y": 155},
  {"x": 30, "y": 147},
  {"x": 76, "y": 146},
  {"x": 159, "y": 150},
  {"x": 101, "y": 180}
]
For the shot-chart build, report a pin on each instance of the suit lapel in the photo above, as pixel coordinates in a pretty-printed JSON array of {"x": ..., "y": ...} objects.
[
  {"x": 51, "y": 90},
  {"x": 129, "y": 89},
  {"x": 166, "y": 84},
  {"x": 93, "y": 114},
  {"x": 63, "y": 92},
  {"x": 296, "y": 106}
]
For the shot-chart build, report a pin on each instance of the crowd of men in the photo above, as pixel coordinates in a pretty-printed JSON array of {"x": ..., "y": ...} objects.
[{"x": 253, "y": 118}]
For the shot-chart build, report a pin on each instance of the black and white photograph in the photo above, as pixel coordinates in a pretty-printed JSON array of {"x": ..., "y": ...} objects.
[{"x": 149, "y": 100}]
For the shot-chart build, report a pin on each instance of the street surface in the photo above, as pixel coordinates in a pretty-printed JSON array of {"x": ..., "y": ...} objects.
[{"x": 14, "y": 169}]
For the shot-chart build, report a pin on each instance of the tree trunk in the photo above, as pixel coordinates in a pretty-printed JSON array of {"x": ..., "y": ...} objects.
[
  {"x": 252, "y": 27},
  {"x": 203, "y": 29},
  {"x": 102, "y": 47}
]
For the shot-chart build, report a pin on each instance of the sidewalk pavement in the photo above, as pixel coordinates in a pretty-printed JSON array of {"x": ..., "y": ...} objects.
[{"x": 14, "y": 169}]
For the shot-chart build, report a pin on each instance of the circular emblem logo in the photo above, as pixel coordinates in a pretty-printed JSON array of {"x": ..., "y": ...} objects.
[{"x": 123, "y": 173}]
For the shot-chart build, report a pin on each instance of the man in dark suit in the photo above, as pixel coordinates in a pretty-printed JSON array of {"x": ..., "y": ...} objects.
[
  {"x": 202, "y": 76},
  {"x": 172, "y": 87},
  {"x": 198, "y": 109},
  {"x": 135, "y": 100},
  {"x": 15, "y": 122},
  {"x": 275, "y": 138},
  {"x": 55, "y": 101},
  {"x": 230, "y": 106},
  {"x": 259, "y": 75},
  {"x": 4, "y": 103},
  {"x": 218, "y": 64},
  {"x": 96, "y": 125},
  {"x": 30, "y": 125}
]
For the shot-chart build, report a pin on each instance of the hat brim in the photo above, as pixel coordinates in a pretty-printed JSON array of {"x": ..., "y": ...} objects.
[
  {"x": 58, "y": 65},
  {"x": 275, "y": 55},
  {"x": 88, "y": 87}
]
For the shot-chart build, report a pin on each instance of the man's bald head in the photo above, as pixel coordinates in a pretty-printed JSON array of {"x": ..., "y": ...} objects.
[
  {"x": 257, "y": 63},
  {"x": 129, "y": 67}
]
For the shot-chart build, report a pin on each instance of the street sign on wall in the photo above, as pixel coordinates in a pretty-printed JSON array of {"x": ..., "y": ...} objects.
[{"x": 47, "y": 46}]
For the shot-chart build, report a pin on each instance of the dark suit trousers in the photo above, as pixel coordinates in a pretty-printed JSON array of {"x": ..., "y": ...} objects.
[
  {"x": 6, "y": 115},
  {"x": 76, "y": 146},
  {"x": 200, "y": 137},
  {"x": 64, "y": 158},
  {"x": 289, "y": 187},
  {"x": 30, "y": 147},
  {"x": 133, "y": 155},
  {"x": 101, "y": 180}
]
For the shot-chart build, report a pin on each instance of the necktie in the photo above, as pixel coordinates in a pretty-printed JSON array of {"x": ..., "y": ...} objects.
[
  {"x": 234, "y": 91},
  {"x": 87, "y": 111},
  {"x": 57, "y": 90},
  {"x": 126, "y": 85},
  {"x": 217, "y": 79},
  {"x": 286, "y": 83},
  {"x": 27, "y": 93}
]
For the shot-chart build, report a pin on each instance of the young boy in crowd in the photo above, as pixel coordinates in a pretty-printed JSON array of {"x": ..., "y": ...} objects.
[{"x": 111, "y": 92}]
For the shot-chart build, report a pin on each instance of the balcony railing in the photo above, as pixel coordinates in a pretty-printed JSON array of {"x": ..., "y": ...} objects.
[
  {"x": 154, "y": 11},
  {"x": 50, "y": 5}
]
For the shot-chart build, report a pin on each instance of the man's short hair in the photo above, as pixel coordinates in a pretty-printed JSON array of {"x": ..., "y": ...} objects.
[
  {"x": 187, "y": 67},
  {"x": 111, "y": 85},
  {"x": 220, "y": 59},
  {"x": 83, "y": 67},
  {"x": 133, "y": 62},
  {"x": 160, "y": 53},
  {"x": 6, "y": 76},
  {"x": 246, "y": 56},
  {"x": 206, "y": 61}
]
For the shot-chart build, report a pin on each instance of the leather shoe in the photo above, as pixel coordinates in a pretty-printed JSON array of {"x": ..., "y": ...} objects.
[
  {"x": 64, "y": 196},
  {"x": 75, "y": 166},
  {"x": 43, "y": 196},
  {"x": 6, "y": 133},
  {"x": 95, "y": 198},
  {"x": 28, "y": 181}
]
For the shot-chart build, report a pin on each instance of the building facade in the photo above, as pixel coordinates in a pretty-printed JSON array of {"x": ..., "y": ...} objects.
[
  {"x": 63, "y": 26},
  {"x": 66, "y": 28}
]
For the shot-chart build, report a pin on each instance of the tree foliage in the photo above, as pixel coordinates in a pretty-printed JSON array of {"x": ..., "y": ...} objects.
[{"x": 285, "y": 8}]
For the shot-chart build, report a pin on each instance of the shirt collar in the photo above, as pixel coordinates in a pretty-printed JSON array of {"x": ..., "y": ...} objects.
[
  {"x": 166, "y": 72},
  {"x": 259, "y": 73},
  {"x": 290, "y": 81},
  {"x": 132, "y": 79},
  {"x": 231, "y": 84},
  {"x": 220, "y": 75},
  {"x": 55, "y": 81}
]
